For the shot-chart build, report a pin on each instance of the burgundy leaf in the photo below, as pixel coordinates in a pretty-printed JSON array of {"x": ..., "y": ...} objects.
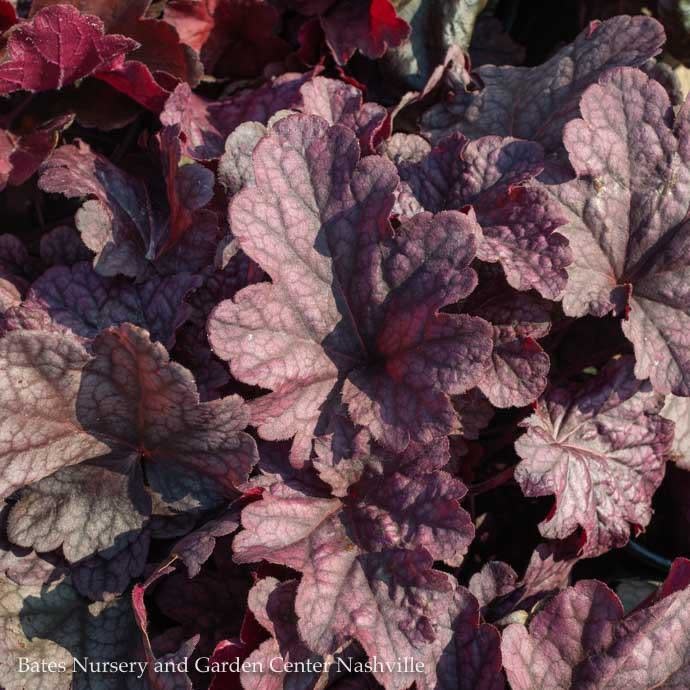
[
  {"x": 500, "y": 593},
  {"x": 601, "y": 451},
  {"x": 22, "y": 154},
  {"x": 273, "y": 605},
  {"x": 35, "y": 59},
  {"x": 369, "y": 26},
  {"x": 158, "y": 57},
  {"x": 197, "y": 546},
  {"x": 234, "y": 38}
]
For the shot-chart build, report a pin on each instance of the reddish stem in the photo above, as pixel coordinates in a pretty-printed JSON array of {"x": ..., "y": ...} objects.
[{"x": 503, "y": 477}]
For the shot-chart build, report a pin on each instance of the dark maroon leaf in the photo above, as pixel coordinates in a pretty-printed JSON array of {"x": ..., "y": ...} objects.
[
  {"x": 158, "y": 58},
  {"x": 517, "y": 374},
  {"x": 369, "y": 26},
  {"x": 195, "y": 548},
  {"x": 234, "y": 38},
  {"x": 273, "y": 605},
  {"x": 501, "y": 594},
  {"x": 22, "y": 154}
]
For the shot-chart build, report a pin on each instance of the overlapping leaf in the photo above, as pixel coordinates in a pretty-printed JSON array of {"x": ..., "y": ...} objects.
[
  {"x": 369, "y": 26},
  {"x": 158, "y": 58},
  {"x": 435, "y": 27},
  {"x": 234, "y": 38},
  {"x": 386, "y": 530},
  {"x": 466, "y": 654},
  {"x": 127, "y": 225},
  {"x": 79, "y": 301},
  {"x": 518, "y": 224},
  {"x": 34, "y": 60}
]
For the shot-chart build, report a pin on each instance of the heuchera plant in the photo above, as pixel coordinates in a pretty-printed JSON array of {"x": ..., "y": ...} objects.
[{"x": 309, "y": 381}]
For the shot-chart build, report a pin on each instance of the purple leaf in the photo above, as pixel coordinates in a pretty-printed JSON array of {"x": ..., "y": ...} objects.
[
  {"x": 124, "y": 223},
  {"x": 341, "y": 104},
  {"x": 518, "y": 372},
  {"x": 627, "y": 220},
  {"x": 206, "y": 124},
  {"x": 143, "y": 416},
  {"x": 517, "y": 221},
  {"x": 62, "y": 246},
  {"x": 581, "y": 639},
  {"x": 349, "y": 300},
  {"x": 601, "y": 451},
  {"x": 81, "y": 302},
  {"x": 535, "y": 102},
  {"x": 466, "y": 654},
  {"x": 383, "y": 530}
]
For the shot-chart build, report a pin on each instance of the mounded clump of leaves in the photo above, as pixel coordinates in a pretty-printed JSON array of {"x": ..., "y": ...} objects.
[{"x": 297, "y": 363}]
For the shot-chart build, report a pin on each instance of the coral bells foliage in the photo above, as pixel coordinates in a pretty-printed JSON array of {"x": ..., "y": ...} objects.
[{"x": 365, "y": 387}]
